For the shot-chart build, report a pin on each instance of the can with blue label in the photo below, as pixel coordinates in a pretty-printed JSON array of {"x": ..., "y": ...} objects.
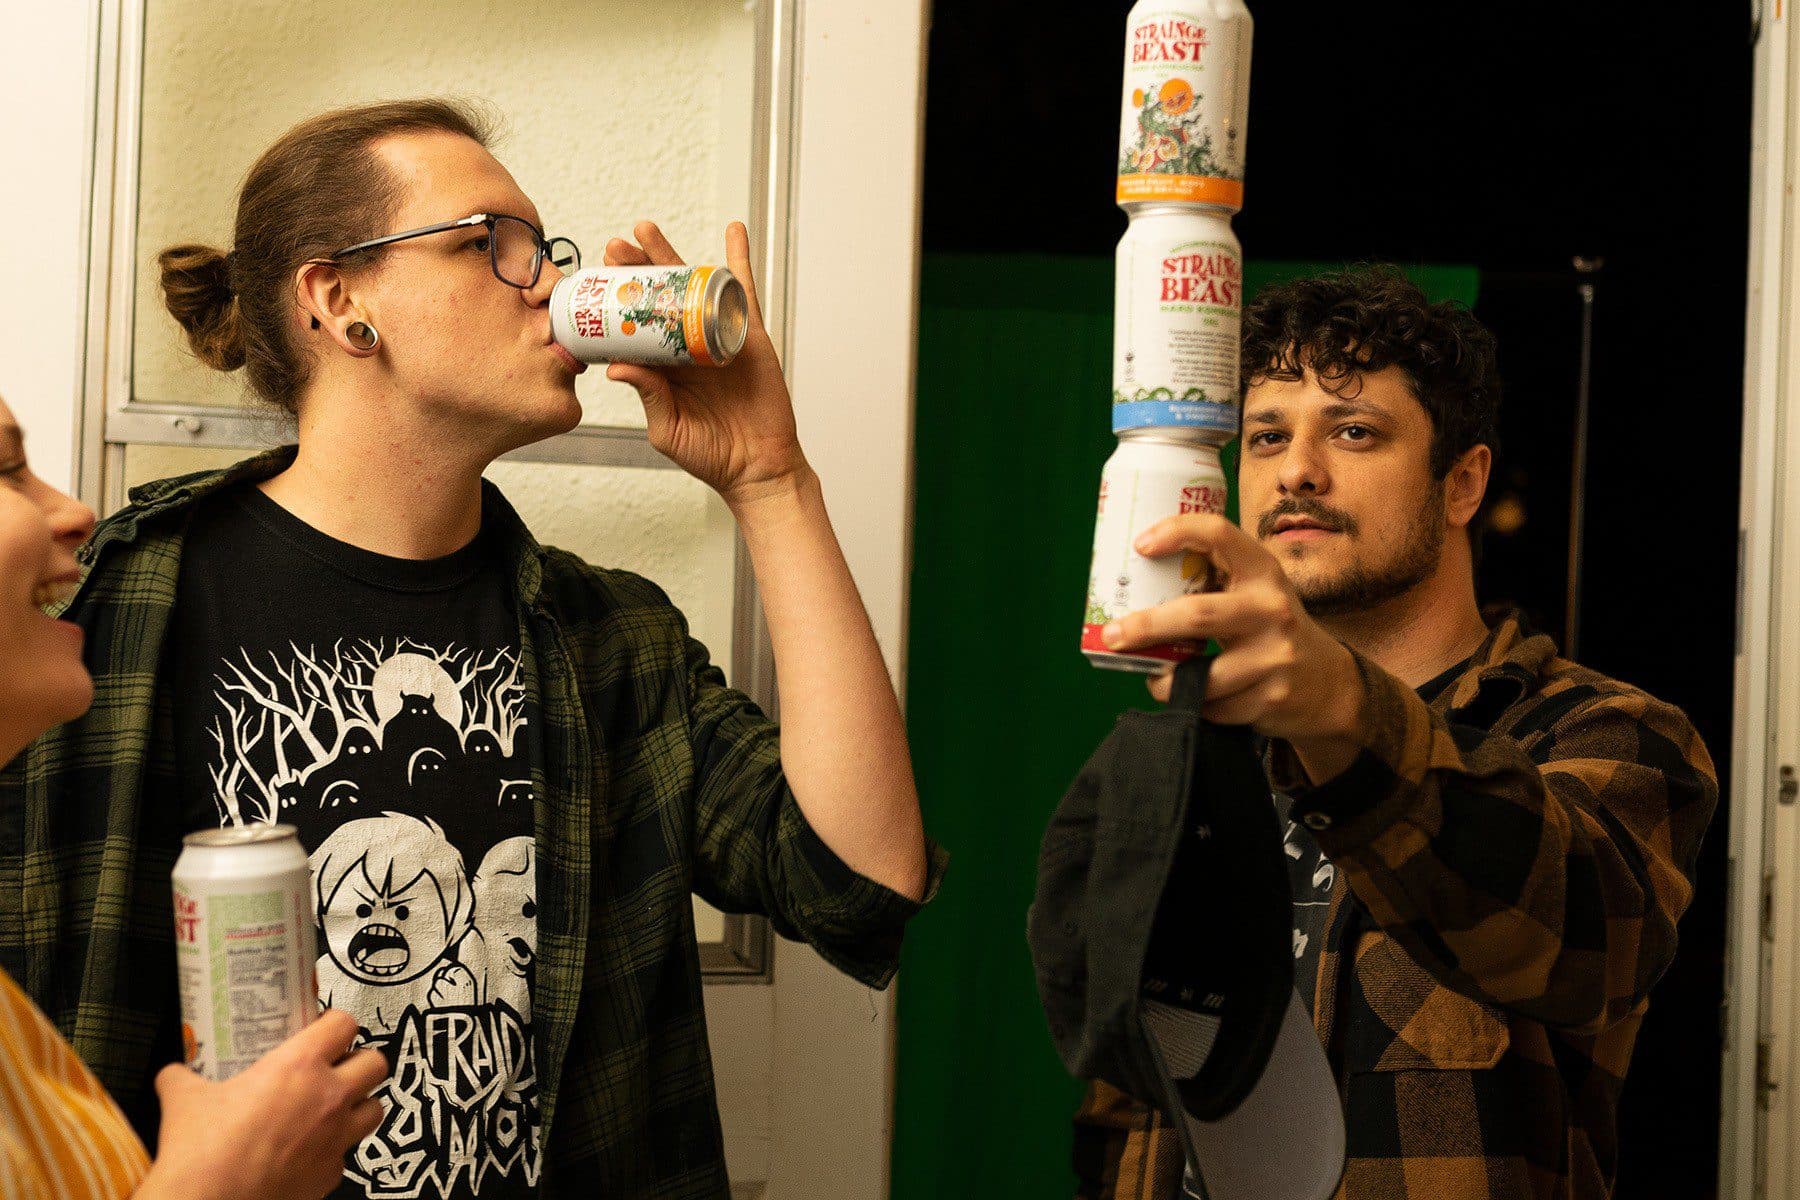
[{"x": 1179, "y": 291}]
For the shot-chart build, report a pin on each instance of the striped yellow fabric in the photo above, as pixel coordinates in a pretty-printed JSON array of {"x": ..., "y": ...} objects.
[{"x": 60, "y": 1133}]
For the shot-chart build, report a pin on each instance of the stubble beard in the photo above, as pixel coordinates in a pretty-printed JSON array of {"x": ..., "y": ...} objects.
[{"x": 1361, "y": 587}]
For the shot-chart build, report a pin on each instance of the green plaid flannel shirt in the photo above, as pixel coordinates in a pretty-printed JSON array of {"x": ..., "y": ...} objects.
[
  {"x": 656, "y": 781},
  {"x": 1512, "y": 861}
]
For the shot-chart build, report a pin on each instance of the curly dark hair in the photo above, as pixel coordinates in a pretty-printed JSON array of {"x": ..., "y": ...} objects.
[{"x": 1365, "y": 318}]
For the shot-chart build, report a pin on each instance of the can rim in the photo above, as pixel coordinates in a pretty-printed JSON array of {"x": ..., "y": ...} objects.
[{"x": 241, "y": 835}]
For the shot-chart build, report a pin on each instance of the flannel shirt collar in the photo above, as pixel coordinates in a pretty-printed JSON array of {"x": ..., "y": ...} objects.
[
  {"x": 1500, "y": 672},
  {"x": 174, "y": 499}
]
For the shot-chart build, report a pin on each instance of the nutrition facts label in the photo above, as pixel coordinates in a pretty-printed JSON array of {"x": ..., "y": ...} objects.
[{"x": 237, "y": 967}]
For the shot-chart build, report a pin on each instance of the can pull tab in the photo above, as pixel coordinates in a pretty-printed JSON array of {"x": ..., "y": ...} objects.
[{"x": 1789, "y": 788}]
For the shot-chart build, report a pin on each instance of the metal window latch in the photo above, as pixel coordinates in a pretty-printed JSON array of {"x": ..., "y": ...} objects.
[{"x": 1789, "y": 787}]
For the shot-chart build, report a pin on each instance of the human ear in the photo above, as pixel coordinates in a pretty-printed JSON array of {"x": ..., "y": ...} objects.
[
  {"x": 1466, "y": 484},
  {"x": 326, "y": 305}
]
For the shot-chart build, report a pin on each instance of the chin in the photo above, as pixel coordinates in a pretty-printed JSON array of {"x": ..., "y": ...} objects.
[{"x": 54, "y": 695}]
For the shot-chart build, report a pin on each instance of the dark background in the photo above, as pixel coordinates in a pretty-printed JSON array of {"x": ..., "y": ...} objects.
[{"x": 1513, "y": 138}]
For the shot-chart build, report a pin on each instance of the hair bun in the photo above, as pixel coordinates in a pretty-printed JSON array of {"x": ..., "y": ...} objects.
[{"x": 197, "y": 288}]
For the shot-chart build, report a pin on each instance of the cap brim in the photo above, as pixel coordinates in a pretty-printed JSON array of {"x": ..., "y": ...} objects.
[{"x": 1285, "y": 1141}]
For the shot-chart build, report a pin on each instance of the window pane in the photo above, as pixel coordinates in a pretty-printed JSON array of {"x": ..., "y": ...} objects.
[{"x": 609, "y": 118}]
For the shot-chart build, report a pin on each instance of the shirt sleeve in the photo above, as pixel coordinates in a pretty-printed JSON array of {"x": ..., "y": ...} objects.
[
  {"x": 1545, "y": 875},
  {"x": 755, "y": 852}
]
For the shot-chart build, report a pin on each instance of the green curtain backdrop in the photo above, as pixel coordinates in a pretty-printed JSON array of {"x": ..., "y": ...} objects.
[{"x": 1013, "y": 426}]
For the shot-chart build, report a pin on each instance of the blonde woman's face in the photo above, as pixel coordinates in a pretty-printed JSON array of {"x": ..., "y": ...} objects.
[{"x": 43, "y": 681}]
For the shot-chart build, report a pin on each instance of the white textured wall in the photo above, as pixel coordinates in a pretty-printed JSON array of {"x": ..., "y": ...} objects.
[
  {"x": 45, "y": 80},
  {"x": 625, "y": 112}
]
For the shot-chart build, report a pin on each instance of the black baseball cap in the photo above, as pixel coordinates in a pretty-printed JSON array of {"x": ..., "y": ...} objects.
[{"x": 1162, "y": 937}]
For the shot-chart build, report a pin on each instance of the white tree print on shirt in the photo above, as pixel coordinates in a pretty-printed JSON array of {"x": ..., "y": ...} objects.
[{"x": 312, "y": 730}]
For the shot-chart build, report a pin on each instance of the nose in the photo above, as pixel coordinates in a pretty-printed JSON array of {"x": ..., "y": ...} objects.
[
  {"x": 71, "y": 521},
  {"x": 1303, "y": 471},
  {"x": 538, "y": 294}
]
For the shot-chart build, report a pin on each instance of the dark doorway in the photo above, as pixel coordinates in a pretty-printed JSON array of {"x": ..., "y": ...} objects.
[{"x": 1513, "y": 138}]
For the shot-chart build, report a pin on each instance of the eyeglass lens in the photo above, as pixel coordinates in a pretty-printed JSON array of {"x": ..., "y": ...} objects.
[{"x": 517, "y": 259}]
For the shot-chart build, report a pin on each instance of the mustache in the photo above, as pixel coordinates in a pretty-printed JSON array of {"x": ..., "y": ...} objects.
[{"x": 1313, "y": 510}]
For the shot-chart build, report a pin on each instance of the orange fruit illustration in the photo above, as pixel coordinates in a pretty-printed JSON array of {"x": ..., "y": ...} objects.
[
  {"x": 1137, "y": 97},
  {"x": 628, "y": 327},
  {"x": 1176, "y": 97},
  {"x": 1166, "y": 149},
  {"x": 630, "y": 291}
]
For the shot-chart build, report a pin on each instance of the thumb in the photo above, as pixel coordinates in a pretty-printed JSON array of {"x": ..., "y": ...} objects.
[{"x": 174, "y": 1081}]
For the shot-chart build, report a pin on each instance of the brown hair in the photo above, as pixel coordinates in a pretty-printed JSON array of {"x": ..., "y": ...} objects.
[{"x": 319, "y": 188}]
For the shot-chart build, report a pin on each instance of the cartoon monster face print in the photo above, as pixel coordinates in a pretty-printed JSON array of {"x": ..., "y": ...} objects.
[
  {"x": 359, "y": 743},
  {"x": 506, "y": 904},
  {"x": 484, "y": 745},
  {"x": 502, "y": 946},
  {"x": 392, "y": 897}
]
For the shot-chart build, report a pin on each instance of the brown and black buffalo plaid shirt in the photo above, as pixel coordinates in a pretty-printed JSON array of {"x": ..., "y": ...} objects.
[{"x": 1513, "y": 858}]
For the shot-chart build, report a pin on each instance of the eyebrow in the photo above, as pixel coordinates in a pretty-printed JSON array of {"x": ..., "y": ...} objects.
[{"x": 1335, "y": 411}]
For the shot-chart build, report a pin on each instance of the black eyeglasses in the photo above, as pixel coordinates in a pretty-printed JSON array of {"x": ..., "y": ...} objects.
[{"x": 516, "y": 249}]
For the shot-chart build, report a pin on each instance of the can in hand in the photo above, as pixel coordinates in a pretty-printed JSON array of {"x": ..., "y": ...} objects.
[
  {"x": 245, "y": 948},
  {"x": 655, "y": 316},
  {"x": 1152, "y": 475}
]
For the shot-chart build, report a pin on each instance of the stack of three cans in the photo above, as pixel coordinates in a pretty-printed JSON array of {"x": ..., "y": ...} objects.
[{"x": 1178, "y": 299}]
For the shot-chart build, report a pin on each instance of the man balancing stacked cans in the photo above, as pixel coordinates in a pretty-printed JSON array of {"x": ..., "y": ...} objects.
[{"x": 1178, "y": 296}]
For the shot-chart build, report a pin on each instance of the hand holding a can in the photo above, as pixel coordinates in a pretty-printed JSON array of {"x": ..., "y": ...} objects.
[
  {"x": 731, "y": 427},
  {"x": 1280, "y": 671},
  {"x": 280, "y": 1128}
]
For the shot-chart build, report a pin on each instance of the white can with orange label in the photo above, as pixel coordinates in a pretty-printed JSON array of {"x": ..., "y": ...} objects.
[
  {"x": 245, "y": 947},
  {"x": 1178, "y": 300},
  {"x": 1186, "y": 102},
  {"x": 1152, "y": 475},
  {"x": 657, "y": 316}
]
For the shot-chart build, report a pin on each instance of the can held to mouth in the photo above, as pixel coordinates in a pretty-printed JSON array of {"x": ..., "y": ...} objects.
[
  {"x": 1177, "y": 304},
  {"x": 1152, "y": 475},
  {"x": 1186, "y": 102},
  {"x": 656, "y": 316},
  {"x": 245, "y": 949}
]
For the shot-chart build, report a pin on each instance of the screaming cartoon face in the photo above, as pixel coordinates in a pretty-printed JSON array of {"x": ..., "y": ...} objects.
[{"x": 392, "y": 897}]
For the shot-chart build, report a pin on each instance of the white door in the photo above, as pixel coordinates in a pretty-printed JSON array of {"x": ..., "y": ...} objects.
[
  {"x": 1760, "y": 1133},
  {"x": 802, "y": 119}
]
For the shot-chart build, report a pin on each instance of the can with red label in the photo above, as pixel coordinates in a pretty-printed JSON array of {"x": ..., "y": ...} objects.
[
  {"x": 1178, "y": 299},
  {"x": 1152, "y": 475},
  {"x": 245, "y": 949},
  {"x": 658, "y": 316},
  {"x": 1186, "y": 101}
]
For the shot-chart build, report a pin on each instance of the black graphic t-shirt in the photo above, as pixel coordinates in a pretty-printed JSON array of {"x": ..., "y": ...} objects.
[
  {"x": 1311, "y": 874},
  {"x": 378, "y": 705}
]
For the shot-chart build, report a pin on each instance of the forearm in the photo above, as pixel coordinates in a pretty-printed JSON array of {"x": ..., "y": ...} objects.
[
  {"x": 843, "y": 742},
  {"x": 1542, "y": 880}
]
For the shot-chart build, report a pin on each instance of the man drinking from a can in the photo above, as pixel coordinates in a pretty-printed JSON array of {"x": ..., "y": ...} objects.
[{"x": 1490, "y": 845}]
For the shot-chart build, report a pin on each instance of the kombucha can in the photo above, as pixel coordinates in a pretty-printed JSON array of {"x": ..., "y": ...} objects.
[
  {"x": 1150, "y": 476},
  {"x": 1178, "y": 298},
  {"x": 658, "y": 316},
  {"x": 244, "y": 944},
  {"x": 1186, "y": 101}
]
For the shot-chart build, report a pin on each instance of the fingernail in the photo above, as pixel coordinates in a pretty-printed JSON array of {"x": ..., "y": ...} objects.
[{"x": 1111, "y": 634}]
